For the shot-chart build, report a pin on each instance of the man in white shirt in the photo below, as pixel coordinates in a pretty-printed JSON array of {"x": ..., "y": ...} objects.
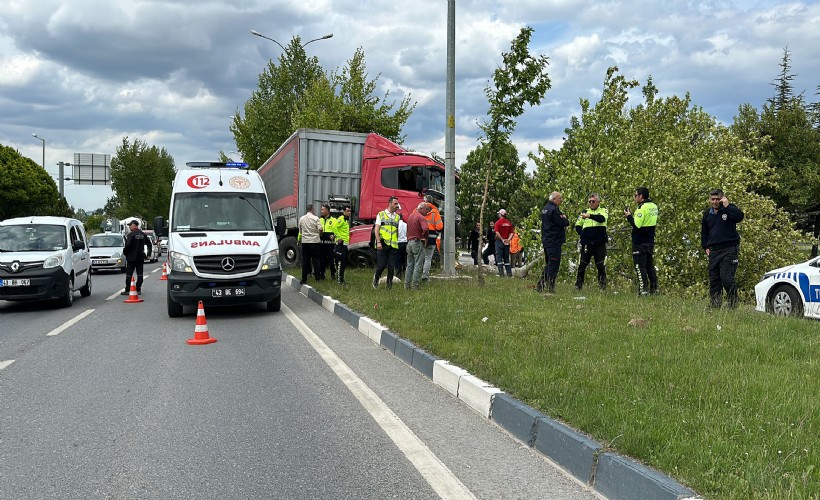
[{"x": 310, "y": 231}]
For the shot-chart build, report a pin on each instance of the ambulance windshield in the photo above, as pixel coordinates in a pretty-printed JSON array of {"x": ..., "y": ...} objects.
[{"x": 220, "y": 212}]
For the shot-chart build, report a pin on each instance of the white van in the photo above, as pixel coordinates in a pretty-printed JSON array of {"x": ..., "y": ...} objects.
[
  {"x": 222, "y": 247},
  {"x": 44, "y": 258}
]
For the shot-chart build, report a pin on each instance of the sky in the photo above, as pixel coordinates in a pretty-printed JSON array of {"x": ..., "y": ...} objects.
[{"x": 84, "y": 74}]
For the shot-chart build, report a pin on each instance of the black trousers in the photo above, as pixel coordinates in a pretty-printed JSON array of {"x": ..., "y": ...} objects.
[
  {"x": 310, "y": 260},
  {"x": 387, "y": 257},
  {"x": 485, "y": 255},
  {"x": 592, "y": 252},
  {"x": 722, "y": 269},
  {"x": 325, "y": 260},
  {"x": 552, "y": 254},
  {"x": 340, "y": 261},
  {"x": 643, "y": 256},
  {"x": 132, "y": 266}
]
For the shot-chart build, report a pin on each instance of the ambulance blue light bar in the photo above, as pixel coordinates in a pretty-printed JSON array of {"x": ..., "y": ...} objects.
[{"x": 216, "y": 164}]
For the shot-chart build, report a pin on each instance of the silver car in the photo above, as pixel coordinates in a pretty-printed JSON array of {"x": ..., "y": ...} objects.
[{"x": 106, "y": 251}]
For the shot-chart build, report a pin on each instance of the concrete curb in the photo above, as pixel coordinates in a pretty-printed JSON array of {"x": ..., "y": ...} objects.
[{"x": 612, "y": 475}]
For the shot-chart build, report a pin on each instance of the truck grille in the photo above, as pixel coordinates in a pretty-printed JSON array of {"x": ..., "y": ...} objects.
[{"x": 227, "y": 264}]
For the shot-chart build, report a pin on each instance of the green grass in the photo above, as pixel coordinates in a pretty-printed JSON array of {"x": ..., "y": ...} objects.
[{"x": 727, "y": 402}]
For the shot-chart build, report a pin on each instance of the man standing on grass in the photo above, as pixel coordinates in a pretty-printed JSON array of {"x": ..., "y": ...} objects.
[
  {"x": 591, "y": 227},
  {"x": 417, "y": 232},
  {"x": 310, "y": 231},
  {"x": 719, "y": 237},
  {"x": 553, "y": 235},
  {"x": 386, "y": 231},
  {"x": 503, "y": 230},
  {"x": 643, "y": 241}
]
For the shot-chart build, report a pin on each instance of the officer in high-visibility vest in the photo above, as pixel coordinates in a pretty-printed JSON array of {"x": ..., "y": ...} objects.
[
  {"x": 342, "y": 230},
  {"x": 386, "y": 232},
  {"x": 643, "y": 224},
  {"x": 591, "y": 227},
  {"x": 326, "y": 248}
]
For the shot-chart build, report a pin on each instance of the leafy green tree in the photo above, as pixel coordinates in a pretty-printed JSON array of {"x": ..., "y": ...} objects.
[
  {"x": 680, "y": 153},
  {"x": 521, "y": 80},
  {"x": 506, "y": 187},
  {"x": 142, "y": 179},
  {"x": 27, "y": 189},
  {"x": 345, "y": 100},
  {"x": 93, "y": 222},
  {"x": 269, "y": 112},
  {"x": 785, "y": 135}
]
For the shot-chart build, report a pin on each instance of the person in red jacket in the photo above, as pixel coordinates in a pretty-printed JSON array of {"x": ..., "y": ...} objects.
[{"x": 503, "y": 230}]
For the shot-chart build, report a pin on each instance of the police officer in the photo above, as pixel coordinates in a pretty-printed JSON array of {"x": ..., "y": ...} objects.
[
  {"x": 326, "y": 249},
  {"x": 341, "y": 228},
  {"x": 137, "y": 248},
  {"x": 591, "y": 227},
  {"x": 643, "y": 224},
  {"x": 553, "y": 235},
  {"x": 386, "y": 231},
  {"x": 719, "y": 237}
]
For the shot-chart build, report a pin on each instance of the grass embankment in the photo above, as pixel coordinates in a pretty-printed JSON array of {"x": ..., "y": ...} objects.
[{"x": 727, "y": 402}]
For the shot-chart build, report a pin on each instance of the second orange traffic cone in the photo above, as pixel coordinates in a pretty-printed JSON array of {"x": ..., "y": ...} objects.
[
  {"x": 164, "y": 276},
  {"x": 133, "y": 297},
  {"x": 201, "y": 329}
]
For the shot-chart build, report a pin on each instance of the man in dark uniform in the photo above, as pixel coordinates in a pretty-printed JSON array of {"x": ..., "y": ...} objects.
[
  {"x": 137, "y": 248},
  {"x": 553, "y": 235},
  {"x": 719, "y": 237},
  {"x": 643, "y": 224}
]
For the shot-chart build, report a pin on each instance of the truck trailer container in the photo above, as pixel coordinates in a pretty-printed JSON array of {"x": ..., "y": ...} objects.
[{"x": 363, "y": 169}]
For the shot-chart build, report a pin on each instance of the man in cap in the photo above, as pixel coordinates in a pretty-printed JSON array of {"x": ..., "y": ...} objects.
[
  {"x": 137, "y": 248},
  {"x": 503, "y": 230}
]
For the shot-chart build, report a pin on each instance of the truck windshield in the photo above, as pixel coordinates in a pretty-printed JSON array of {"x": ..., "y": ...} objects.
[
  {"x": 32, "y": 238},
  {"x": 220, "y": 212},
  {"x": 414, "y": 178}
]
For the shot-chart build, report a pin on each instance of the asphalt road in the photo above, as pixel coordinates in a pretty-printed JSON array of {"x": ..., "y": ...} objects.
[{"x": 296, "y": 404}]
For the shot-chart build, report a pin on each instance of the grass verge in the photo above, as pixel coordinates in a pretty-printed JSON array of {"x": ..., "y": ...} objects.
[{"x": 724, "y": 401}]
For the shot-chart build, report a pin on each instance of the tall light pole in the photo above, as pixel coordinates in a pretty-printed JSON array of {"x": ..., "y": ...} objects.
[
  {"x": 254, "y": 32},
  {"x": 62, "y": 177},
  {"x": 450, "y": 252},
  {"x": 44, "y": 148}
]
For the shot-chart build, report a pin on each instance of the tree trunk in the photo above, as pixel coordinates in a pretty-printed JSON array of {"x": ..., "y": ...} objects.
[{"x": 481, "y": 213}]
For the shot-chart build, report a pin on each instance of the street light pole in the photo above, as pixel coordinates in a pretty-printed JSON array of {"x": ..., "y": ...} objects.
[
  {"x": 44, "y": 148},
  {"x": 254, "y": 32},
  {"x": 450, "y": 251},
  {"x": 62, "y": 177}
]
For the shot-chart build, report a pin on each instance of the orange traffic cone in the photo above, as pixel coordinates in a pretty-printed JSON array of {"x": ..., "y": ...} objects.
[
  {"x": 164, "y": 276},
  {"x": 201, "y": 329},
  {"x": 133, "y": 298}
]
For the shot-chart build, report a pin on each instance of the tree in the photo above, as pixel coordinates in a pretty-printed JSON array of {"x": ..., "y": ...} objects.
[
  {"x": 521, "y": 80},
  {"x": 786, "y": 136},
  {"x": 344, "y": 100},
  {"x": 141, "y": 178},
  {"x": 269, "y": 111},
  {"x": 505, "y": 186},
  {"x": 680, "y": 153},
  {"x": 27, "y": 189}
]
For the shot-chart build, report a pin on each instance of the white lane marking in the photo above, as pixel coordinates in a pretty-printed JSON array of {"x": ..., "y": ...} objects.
[
  {"x": 440, "y": 478},
  {"x": 6, "y": 363},
  {"x": 70, "y": 322},
  {"x": 115, "y": 295}
]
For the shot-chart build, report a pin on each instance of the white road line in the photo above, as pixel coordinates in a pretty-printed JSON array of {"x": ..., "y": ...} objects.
[
  {"x": 70, "y": 322},
  {"x": 115, "y": 295},
  {"x": 440, "y": 478},
  {"x": 6, "y": 363}
]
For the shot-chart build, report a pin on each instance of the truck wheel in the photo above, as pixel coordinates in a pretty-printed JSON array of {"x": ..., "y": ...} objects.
[
  {"x": 274, "y": 305},
  {"x": 785, "y": 301},
  {"x": 174, "y": 309},
  {"x": 86, "y": 290},
  {"x": 67, "y": 300},
  {"x": 361, "y": 258},
  {"x": 288, "y": 252}
]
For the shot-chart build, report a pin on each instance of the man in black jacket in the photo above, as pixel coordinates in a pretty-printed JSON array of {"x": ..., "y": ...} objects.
[
  {"x": 719, "y": 237},
  {"x": 553, "y": 235},
  {"x": 137, "y": 248}
]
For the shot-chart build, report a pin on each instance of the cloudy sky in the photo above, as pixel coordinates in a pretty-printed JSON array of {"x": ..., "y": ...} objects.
[{"x": 83, "y": 74}]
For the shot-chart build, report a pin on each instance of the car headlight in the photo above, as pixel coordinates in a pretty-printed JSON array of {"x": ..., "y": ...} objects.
[
  {"x": 55, "y": 260},
  {"x": 270, "y": 260},
  {"x": 116, "y": 255},
  {"x": 180, "y": 262}
]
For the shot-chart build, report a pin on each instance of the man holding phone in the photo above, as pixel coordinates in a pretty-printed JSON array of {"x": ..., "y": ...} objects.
[{"x": 720, "y": 239}]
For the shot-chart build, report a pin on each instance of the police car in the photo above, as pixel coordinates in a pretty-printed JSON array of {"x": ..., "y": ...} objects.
[{"x": 791, "y": 290}]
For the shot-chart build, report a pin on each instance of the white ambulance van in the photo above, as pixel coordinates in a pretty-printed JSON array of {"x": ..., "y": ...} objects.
[{"x": 222, "y": 247}]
